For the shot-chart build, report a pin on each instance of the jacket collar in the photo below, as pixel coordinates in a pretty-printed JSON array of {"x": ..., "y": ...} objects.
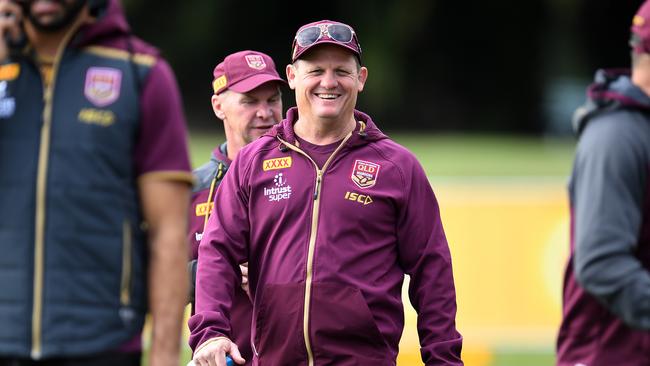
[{"x": 364, "y": 132}]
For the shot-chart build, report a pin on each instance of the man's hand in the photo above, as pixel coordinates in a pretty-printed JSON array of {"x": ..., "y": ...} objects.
[
  {"x": 244, "y": 277},
  {"x": 10, "y": 17},
  {"x": 214, "y": 353}
]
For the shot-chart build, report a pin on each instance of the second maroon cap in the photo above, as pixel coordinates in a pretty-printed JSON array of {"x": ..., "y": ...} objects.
[{"x": 244, "y": 71}]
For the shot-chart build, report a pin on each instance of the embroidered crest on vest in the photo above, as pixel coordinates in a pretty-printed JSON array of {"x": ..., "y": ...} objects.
[{"x": 102, "y": 85}]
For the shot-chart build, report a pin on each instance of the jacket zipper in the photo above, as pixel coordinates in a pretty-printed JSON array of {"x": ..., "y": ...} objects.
[
  {"x": 41, "y": 190},
  {"x": 312, "y": 239},
  {"x": 125, "y": 287}
]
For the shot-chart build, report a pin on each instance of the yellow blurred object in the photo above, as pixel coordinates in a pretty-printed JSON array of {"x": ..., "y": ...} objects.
[
  {"x": 476, "y": 354},
  {"x": 509, "y": 244}
]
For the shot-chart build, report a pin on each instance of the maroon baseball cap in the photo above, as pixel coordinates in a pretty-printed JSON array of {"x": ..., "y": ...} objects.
[
  {"x": 325, "y": 31},
  {"x": 640, "y": 38},
  {"x": 244, "y": 71}
]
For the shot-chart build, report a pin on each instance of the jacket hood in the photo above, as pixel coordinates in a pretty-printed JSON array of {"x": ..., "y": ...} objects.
[
  {"x": 220, "y": 153},
  {"x": 110, "y": 28},
  {"x": 611, "y": 90},
  {"x": 364, "y": 132}
]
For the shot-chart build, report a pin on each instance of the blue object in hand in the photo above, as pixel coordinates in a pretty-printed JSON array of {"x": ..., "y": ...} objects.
[{"x": 229, "y": 361}]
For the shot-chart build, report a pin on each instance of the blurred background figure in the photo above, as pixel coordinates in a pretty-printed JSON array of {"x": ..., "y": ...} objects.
[
  {"x": 607, "y": 282},
  {"x": 95, "y": 189}
]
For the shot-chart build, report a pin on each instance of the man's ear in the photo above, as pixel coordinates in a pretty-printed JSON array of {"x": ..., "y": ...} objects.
[
  {"x": 217, "y": 106},
  {"x": 363, "y": 76},
  {"x": 291, "y": 75}
]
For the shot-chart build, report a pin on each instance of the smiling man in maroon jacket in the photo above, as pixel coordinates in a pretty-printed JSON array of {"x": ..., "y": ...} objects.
[{"x": 330, "y": 214}]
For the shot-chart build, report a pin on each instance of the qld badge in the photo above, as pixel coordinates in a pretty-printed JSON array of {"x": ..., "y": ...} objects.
[
  {"x": 255, "y": 62},
  {"x": 364, "y": 173},
  {"x": 102, "y": 85}
]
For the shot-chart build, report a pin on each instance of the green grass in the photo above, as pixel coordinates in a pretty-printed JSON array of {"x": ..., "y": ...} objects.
[
  {"x": 506, "y": 358},
  {"x": 521, "y": 358},
  {"x": 489, "y": 156},
  {"x": 453, "y": 155}
]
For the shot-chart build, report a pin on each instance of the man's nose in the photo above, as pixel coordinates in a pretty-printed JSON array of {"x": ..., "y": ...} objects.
[
  {"x": 264, "y": 111},
  {"x": 329, "y": 80}
]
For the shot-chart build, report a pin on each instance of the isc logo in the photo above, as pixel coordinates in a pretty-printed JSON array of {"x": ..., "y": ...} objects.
[{"x": 361, "y": 198}]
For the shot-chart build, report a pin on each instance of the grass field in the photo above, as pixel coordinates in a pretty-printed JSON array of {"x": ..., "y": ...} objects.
[
  {"x": 450, "y": 159},
  {"x": 460, "y": 156}
]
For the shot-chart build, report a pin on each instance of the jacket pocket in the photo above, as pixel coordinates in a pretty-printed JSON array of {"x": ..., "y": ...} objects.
[
  {"x": 278, "y": 324},
  {"x": 342, "y": 328}
]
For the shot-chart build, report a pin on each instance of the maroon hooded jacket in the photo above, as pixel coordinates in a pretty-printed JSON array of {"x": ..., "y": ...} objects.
[
  {"x": 606, "y": 307},
  {"x": 328, "y": 250}
]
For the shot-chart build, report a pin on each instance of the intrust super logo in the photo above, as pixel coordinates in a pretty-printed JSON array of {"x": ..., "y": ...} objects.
[
  {"x": 363, "y": 199},
  {"x": 280, "y": 190},
  {"x": 279, "y": 163}
]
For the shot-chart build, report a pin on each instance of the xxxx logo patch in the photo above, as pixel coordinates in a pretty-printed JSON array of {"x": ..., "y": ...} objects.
[
  {"x": 203, "y": 209},
  {"x": 9, "y": 71},
  {"x": 279, "y": 163},
  {"x": 219, "y": 83},
  {"x": 364, "y": 173}
]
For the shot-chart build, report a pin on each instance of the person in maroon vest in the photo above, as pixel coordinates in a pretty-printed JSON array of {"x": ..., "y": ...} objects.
[
  {"x": 93, "y": 219},
  {"x": 247, "y": 98},
  {"x": 606, "y": 315}
]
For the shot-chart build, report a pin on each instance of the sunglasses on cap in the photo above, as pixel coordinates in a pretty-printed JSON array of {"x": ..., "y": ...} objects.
[{"x": 337, "y": 32}]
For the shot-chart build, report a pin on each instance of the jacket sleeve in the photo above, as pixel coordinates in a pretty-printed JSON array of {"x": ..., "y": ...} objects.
[
  {"x": 223, "y": 246},
  {"x": 424, "y": 255},
  {"x": 609, "y": 187}
]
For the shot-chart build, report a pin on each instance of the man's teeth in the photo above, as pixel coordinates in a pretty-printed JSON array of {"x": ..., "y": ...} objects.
[{"x": 327, "y": 96}]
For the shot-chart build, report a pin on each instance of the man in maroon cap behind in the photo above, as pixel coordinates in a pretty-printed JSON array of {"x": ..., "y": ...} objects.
[
  {"x": 606, "y": 315},
  {"x": 247, "y": 99},
  {"x": 330, "y": 214}
]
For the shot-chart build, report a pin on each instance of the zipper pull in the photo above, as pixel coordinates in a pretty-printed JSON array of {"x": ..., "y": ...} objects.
[{"x": 318, "y": 179}]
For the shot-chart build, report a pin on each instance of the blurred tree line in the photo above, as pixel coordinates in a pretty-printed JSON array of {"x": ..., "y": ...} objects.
[{"x": 445, "y": 65}]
